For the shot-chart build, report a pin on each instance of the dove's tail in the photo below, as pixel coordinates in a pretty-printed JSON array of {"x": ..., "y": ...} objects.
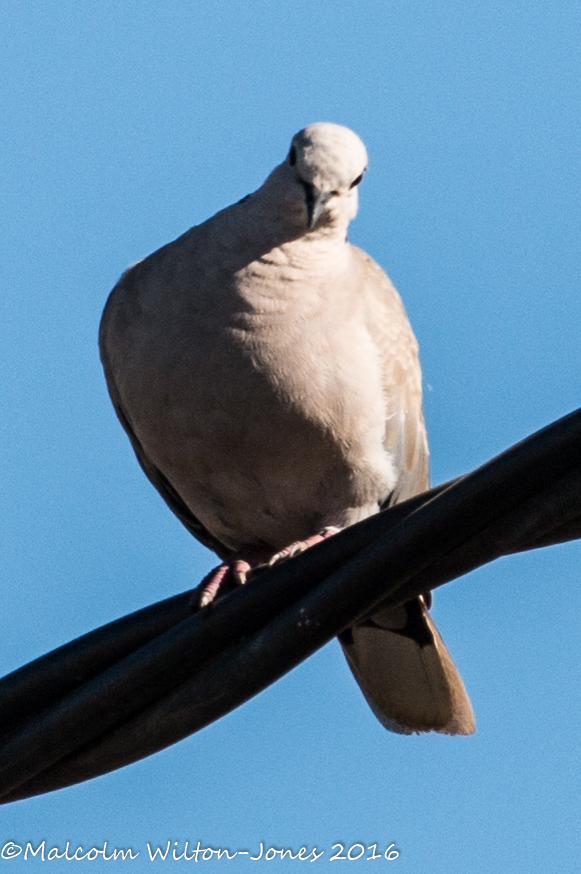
[{"x": 406, "y": 673}]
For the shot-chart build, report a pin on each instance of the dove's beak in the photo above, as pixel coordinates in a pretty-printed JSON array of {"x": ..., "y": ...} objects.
[{"x": 316, "y": 201}]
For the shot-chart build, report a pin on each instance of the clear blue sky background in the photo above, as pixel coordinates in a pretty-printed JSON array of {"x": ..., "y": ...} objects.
[{"x": 124, "y": 123}]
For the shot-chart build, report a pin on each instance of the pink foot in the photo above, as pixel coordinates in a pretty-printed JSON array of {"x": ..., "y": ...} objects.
[
  {"x": 235, "y": 570},
  {"x": 300, "y": 545},
  {"x": 231, "y": 573}
]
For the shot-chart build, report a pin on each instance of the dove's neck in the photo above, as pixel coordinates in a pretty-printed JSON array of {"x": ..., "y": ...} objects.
[
  {"x": 268, "y": 230},
  {"x": 288, "y": 260}
]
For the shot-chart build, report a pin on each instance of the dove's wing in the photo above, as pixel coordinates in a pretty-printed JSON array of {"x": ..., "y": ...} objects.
[
  {"x": 397, "y": 656},
  {"x": 154, "y": 475},
  {"x": 405, "y": 431}
]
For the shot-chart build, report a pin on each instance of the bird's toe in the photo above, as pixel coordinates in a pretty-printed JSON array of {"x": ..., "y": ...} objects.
[{"x": 300, "y": 545}]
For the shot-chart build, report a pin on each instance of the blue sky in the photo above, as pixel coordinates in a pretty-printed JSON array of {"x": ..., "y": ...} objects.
[{"x": 122, "y": 125}]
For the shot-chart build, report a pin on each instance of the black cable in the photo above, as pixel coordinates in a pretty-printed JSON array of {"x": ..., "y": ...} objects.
[{"x": 149, "y": 679}]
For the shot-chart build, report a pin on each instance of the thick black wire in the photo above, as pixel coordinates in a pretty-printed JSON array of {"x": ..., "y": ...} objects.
[{"x": 146, "y": 681}]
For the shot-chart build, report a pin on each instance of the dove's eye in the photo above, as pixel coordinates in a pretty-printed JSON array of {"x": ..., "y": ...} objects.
[
  {"x": 356, "y": 181},
  {"x": 292, "y": 156}
]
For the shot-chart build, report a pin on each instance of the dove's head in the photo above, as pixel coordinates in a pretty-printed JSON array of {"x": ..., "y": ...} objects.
[{"x": 324, "y": 166}]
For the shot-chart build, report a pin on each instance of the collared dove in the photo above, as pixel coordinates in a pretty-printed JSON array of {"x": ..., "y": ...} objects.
[{"x": 268, "y": 379}]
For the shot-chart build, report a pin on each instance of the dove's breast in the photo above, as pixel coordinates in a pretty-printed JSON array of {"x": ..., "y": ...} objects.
[{"x": 264, "y": 409}]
